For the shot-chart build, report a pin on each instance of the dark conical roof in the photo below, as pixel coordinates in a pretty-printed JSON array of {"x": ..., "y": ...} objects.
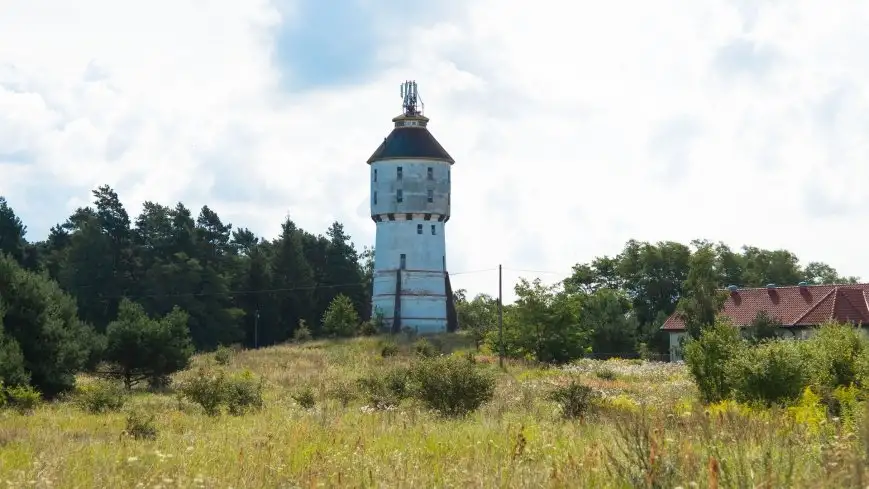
[{"x": 410, "y": 139}]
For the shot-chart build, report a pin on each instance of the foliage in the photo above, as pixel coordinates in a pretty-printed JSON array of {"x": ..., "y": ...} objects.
[
  {"x": 140, "y": 348},
  {"x": 708, "y": 357},
  {"x": 223, "y": 355},
  {"x": 305, "y": 397},
  {"x": 302, "y": 332},
  {"x": 12, "y": 370},
  {"x": 607, "y": 314},
  {"x": 425, "y": 348},
  {"x": 762, "y": 328},
  {"x": 388, "y": 349},
  {"x": 141, "y": 426},
  {"x": 478, "y": 316},
  {"x": 837, "y": 353},
  {"x": 774, "y": 372},
  {"x": 340, "y": 318},
  {"x": 42, "y": 320},
  {"x": 22, "y": 398},
  {"x": 574, "y": 399},
  {"x": 387, "y": 388},
  {"x": 702, "y": 300},
  {"x": 605, "y": 374},
  {"x": 100, "y": 397},
  {"x": 452, "y": 386},
  {"x": 213, "y": 390},
  {"x": 543, "y": 324}
]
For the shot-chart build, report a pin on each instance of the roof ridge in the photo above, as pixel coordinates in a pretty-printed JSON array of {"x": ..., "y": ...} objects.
[
  {"x": 866, "y": 299},
  {"x": 853, "y": 306},
  {"x": 835, "y": 302},
  {"x": 861, "y": 285},
  {"x": 815, "y": 306}
]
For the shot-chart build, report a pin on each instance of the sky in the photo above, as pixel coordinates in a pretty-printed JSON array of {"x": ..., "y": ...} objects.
[{"x": 575, "y": 126}]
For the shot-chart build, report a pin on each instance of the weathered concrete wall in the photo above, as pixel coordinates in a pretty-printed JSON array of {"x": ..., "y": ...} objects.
[{"x": 414, "y": 228}]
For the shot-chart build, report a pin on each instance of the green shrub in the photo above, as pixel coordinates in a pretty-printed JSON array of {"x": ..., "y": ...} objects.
[
  {"x": 708, "y": 356},
  {"x": 23, "y": 398},
  {"x": 211, "y": 391},
  {"x": 302, "y": 332},
  {"x": 388, "y": 349},
  {"x": 242, "y": 393},
  {"x": 774, "y": 372},
  {"x": 574, "y": 399},
  {"x": 141, "y": 426},
  {"x": 837, "y": 353},
  {"x": 223, "y": 355},
  {"x": 369, "y": 328},
  {"x": 387, "y": 388},
  {"x": 100, "y": 397},
  {"x": 344, "y": 393},
  {"x": 305, "y": 397},
  {"x": 605, "y": 374},
  {"x": 452, "y": 386},
  {"x": 425, "y": 348}
]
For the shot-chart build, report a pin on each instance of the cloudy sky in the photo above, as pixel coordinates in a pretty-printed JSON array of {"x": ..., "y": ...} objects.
[{"x": 575, "y": 125}]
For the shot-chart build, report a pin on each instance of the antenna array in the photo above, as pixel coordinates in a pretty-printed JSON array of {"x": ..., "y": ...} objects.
[{"x": 410, "y": 98}]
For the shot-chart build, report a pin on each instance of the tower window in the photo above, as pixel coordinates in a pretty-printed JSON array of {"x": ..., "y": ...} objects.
[
  {"x": 430, "y": 173},
  {"x": 431, "y": 195},
  {"x": 433, "y": 232},
  {"x": 403, "y": 260},
  {"x": 448, "y": 198},
  {"x": 375, "y": 174},
  {"x": 375, "y": 198},
  {"x": 419, "y": 229},
  {"x": 399, "y": 196},
  {"x": 448, "y": 176},
  {"x": 399, "y": 172}
]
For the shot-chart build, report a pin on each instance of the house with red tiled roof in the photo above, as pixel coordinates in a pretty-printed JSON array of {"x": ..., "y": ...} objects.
[{"x": 798, "y": 308}]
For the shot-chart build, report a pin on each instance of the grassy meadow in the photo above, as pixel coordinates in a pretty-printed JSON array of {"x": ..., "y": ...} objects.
[{"x": 646, "y": 430}]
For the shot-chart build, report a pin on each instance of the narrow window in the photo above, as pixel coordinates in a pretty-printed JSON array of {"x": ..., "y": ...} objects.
[
  {"x": 448, "y": 176},
  {"x": 399, "y": 173},
  {"x": 403, "y": 261},
  {"x": 375, "y": 198},
  {"x": 399, "y": 196},
  {"x": 431, "y": 195},
  {"x": 419, "y": 229},
  {"x": 433, "y": 230},
  {"x": 430, "y": 173},
  {"x": 448, "y": 198},
  {"x": 375, "y": 174}
]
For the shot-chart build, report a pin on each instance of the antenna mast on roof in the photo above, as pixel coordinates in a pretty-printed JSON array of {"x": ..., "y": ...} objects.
[{"x": 411, "y": 99}]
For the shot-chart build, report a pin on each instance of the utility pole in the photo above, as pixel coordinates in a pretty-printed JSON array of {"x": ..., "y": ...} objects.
[
  {"x": 256, "y": 329},
  {"x": 500, "y": 320}
]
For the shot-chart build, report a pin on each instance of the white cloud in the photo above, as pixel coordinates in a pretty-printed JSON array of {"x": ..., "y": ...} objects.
[{"x": 575, "y": 126}]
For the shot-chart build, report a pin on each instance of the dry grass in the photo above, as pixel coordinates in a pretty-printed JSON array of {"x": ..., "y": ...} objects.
[{"x": 648, "y": 433}]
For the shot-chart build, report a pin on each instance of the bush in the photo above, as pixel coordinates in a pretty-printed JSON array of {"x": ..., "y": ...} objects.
[
  {"x": 774, "y": 372},
  {"x": 302, "y": 332},
  {"x": 344, "y": 392},
  {"x": 369, "y": 328},
  {"x": 452, "y": 386},
  {"x": 388, "y": 349},
  {"x": 386, "y": 389},
  {"x": 100, "y": 397},
  {"x": 223, "y": 355},
  {"x": 239, "y": 393},
  {"x": 605, "y": 374},
  {"x": 425, "y": 348},
  {"x": 305, "y": 397},
  {"x": 837, "y": 354},
  {"x": 243, "y": 393},
  {"x": 140, "y": 426},
  {"x": 340, "y": 318},
  {"x": 574, "y": 399},
  {"x": 22, "y": 398},
  {"x": 708, "y": 356}
]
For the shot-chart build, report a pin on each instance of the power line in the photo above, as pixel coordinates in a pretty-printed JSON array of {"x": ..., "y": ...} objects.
[{"x": 546, "y": 272}]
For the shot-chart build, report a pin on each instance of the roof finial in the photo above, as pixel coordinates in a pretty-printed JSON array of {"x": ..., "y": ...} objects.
[{"x": 410, "y": 99}]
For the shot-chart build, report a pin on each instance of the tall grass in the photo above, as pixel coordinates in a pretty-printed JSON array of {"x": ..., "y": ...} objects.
[{"x": 645, "y": 429}]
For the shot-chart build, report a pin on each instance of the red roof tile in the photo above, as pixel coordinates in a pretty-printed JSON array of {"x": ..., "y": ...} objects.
[{"x": 793, "y": 305}]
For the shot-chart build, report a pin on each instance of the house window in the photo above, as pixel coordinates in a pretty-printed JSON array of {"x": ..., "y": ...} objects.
[
  {"x": 448, "y": 176},
  {"x": 419, "y": 229},
  {"x": 433, "y": 232},
  {"x": 403, "y": 263},
  {"x": 431, "y": 195},
  {"x": 375, "y": 175},
  {"x": 448, "y": 198},
  {"x": 399, "y": 173},
  {"x": 430, "y": 173},
  {"x": 375, "y": 198},
  {"x": 399, "y": 196}
]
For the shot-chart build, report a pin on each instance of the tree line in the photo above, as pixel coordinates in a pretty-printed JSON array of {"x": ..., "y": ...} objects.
[
  {"x": 615, "y": 305},
  {"x": 59, "y": 297},
  {"x": 104, "y": 290}
]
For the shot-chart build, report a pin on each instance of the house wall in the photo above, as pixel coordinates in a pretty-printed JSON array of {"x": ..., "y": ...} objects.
[
  {"x": 676, "y": 338},
  {"x": 422, "y": 295}
]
